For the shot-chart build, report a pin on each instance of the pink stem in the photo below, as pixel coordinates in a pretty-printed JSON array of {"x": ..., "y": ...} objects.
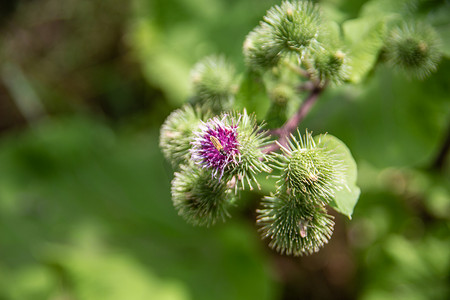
[{"x": 291, "y": 124}]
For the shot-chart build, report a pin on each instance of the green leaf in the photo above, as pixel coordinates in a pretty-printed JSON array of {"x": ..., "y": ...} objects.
[
  {"x": 252, "y": 95},
  {"x": 162, "y": 67},
  {"x": 365, "y": 37},
  {"x": 345, "y": 199},
  {"x": 384, "y": 7},
  {"x": 441, "y": 22}
]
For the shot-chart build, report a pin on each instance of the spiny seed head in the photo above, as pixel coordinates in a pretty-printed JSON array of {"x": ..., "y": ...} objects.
[
  {"x": 252, "y": 139},
  {"x": 293, "y": 224},
  {"x": 294, "y": 25},
  {"x": 198, "y": 198},
  {"x": 213, "y": 79},
  {"x": 230, "y": 146},
  {"x": 307, "y": 169},
  {"x": 261, "y": 52},
  {"x": 291, "y": 28},
  {"x": 176, "y": 133},
  {"x": 330, "y": 66},
  {"x": 414, "y": 48}
]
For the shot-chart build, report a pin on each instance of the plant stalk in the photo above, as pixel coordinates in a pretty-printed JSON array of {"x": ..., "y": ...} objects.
[{"x": 284, "y": 131}]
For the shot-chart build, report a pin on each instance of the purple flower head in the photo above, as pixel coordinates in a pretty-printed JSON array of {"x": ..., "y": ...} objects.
[{"x": 216, "y": 146}]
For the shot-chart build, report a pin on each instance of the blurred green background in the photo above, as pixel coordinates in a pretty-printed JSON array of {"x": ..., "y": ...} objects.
[{"x": 85, "y": 208}]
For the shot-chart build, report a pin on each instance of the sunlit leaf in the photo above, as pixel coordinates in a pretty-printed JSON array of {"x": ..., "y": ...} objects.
[
  {"x": 346, "y": 198},
  {"x": 365, "y": 37}
]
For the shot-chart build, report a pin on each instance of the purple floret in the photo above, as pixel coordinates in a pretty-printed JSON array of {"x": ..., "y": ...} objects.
[{"x": 205, "y": 153}]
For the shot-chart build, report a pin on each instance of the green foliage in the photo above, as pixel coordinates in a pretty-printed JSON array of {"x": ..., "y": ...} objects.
[
  {"x": 169, "y": 36},
  {"x": 386, "y": 8},
  {"x": 439, "y": 20},
  {"x": 379, "y": 120},
  {"x": 384, "y": 25},
  {"x": 365, "y": 37},
  {"x": 394, "y": 242},
  {"x": 122, "y": 277}
]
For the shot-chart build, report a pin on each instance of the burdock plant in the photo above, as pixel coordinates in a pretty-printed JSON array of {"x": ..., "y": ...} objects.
[{"x": 218, "y": 147}]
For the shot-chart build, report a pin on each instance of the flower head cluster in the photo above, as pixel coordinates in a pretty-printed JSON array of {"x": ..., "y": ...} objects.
[
  {"x": 216, "y": 146},
  {"x": 216, "y": 155}
]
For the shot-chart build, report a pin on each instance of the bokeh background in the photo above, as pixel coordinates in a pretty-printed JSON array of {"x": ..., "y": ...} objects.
[{"x": 85, "y": 208}]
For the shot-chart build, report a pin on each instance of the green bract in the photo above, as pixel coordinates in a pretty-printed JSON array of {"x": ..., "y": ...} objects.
[
  {"x": 213, "y": 80},
  {"x": 261, "y": 52},
  {"x": 177, "y": 133},
  {"x": 309, "y": 169},
  {"x": 252, "y": 139},
  {"x": 294, "y": 25},
  {"x": 241, "y": 156},
  {"x": 293, "y": 224},
  {"x": 330, "y": 66},
  {"x": 289, "y": 29},
  {"x": 200, "y": 199}
]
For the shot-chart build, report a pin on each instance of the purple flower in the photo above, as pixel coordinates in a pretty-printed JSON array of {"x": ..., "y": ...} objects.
[{"x": 216, "y": 146}]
